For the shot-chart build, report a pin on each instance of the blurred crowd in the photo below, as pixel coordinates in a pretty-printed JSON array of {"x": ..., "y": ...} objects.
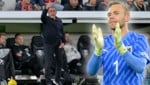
[{"x": 70, "y": 5}]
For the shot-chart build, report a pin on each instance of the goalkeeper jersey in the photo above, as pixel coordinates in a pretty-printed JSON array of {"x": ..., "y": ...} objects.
[{"x": 116, "y": 69}]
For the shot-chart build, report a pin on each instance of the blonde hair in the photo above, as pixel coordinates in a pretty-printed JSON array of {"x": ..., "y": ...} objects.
[{"x": 123, "y": 4}]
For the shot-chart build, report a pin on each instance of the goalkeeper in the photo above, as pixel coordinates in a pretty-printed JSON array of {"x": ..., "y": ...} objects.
[{"x": 123, "y": 55}]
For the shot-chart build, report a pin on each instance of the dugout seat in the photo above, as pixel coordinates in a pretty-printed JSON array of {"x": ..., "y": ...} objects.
[
  {"x": 37, "y": 48},
  {"x": 85, "y": 48},
  {"x": 10, "y": 42}
]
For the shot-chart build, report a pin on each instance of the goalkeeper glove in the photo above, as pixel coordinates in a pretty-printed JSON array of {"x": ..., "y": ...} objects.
[
  {"x": 98, "y": 39},
  {"x": 118, "y": 40}
]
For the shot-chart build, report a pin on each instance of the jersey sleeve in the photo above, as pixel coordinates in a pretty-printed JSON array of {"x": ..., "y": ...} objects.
[{"x": 141, "y": 48}]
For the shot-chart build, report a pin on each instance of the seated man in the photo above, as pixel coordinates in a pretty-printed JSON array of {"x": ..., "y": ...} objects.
[
  {"x": 73, "y": 56},
  {"x": 23, "y": 5},
  {"x": 6, "y": 62},
  {"x": 1, "y": 4},
  {"x": 37, "y": 4},
  {"x": 140, "y": 5},
  {"x": 91, "y": 5},
  {"x": 23, "y": 58},
  {"x": 55, "y": 3},
  {"x": 73, "y": 5}
]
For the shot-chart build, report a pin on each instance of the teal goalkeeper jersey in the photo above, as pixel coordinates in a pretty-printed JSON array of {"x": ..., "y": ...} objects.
[{"x": 127, "y": 69}]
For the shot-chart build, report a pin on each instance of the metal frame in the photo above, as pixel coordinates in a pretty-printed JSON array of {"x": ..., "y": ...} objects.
[{"x": 68, "y": 16}]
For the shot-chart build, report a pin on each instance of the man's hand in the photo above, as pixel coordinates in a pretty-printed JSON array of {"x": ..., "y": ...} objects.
[
  {"x": 19, "y": 54},
  {"x": 118, "y": 40},
  {"x": 61, "y": 45},
  {"x": 37, "y": 7},
  {"x": 98, "y": 39},
  {"x": 48, "y": 5}
]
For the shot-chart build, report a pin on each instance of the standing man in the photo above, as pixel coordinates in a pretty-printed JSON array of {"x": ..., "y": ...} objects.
[
  {"x": 123, "y": 54},
  {"x": 54, "y": 39},
  {"x": 6, "y": 63}
]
